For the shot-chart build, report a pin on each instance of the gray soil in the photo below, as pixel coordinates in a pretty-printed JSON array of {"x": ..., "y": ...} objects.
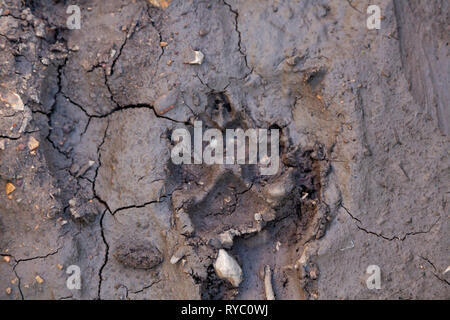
[{"x": 364, "y": 122}]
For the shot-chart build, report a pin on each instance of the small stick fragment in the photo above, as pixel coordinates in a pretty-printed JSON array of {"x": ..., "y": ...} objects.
[{"x": 268, "y": 283}]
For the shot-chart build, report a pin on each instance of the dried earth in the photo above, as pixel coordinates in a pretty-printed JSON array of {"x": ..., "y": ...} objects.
[{"x": 86, "y": 118}]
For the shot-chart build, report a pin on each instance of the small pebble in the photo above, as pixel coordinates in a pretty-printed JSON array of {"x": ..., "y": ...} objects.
[
  {"x": 198, "y": 58},
  {"x": 39, "y": 279},
  {"x": 10, "y": 188},
  {"x": 203, "y": 32},
  {"x": 33, "y": 144}
]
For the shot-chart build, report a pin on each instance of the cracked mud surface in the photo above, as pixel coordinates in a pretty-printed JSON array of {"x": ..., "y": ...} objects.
[{"x": 364, "y": 171}]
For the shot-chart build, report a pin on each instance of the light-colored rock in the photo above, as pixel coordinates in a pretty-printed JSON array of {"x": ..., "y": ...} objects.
[
  {"x": 198, "y": 58},
  {"x": 179, "y": 253},
  {"x": 13, "y": 100},
  {"x": 226, "y": 238},
  {"x": 39, "y": 279},
  {"x": 33, "y": 144},
  {"x": 227, "y": 268}
]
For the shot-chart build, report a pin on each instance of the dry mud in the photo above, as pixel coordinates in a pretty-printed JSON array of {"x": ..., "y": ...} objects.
[{"x": 364, "y": 145}]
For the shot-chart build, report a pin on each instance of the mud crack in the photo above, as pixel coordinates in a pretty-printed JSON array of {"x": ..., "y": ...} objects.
[{"x": 358, "y": 224}]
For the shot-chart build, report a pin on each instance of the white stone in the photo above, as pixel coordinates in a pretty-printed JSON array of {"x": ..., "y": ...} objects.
[
  {"x": 447, "y": 270},
  {"x": 227, "y": 268},
  {"x": 16, "y": 102},
  {"x": 198, "y": 58},
  {"x": 179, "y": 253}
]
